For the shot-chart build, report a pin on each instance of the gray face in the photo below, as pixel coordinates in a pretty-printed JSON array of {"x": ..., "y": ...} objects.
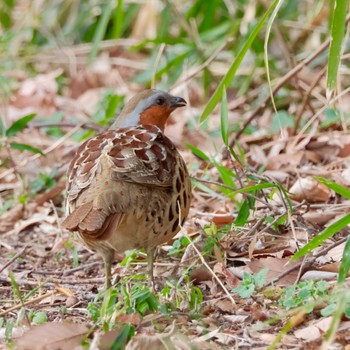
[{"x": 130, "y": 116}]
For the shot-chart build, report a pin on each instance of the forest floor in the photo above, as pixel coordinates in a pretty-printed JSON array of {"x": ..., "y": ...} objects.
[{"x": 226, "y": 280}]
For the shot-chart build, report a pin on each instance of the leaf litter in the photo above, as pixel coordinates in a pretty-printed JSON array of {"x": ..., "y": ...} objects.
[{"x": 270, "y": 234}]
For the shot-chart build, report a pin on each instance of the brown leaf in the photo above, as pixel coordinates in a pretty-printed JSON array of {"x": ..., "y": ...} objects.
[
  {"x": 62, "y": 336},
  {"x": 129, "y": 318},
  {"x": 200, "y": 274},
  {"x": 231, "y": 280},
  {"x": 222, "y": 217},
  {"x": 311, "y": 190},
  {"x": 276, "y": 267}
]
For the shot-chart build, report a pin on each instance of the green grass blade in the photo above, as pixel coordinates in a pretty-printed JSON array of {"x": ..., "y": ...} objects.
[
  {"x": 336, "y": 318},
  {"x": 266, "y": 58},
  {"x": 118, "y": 20},
  {"x": 345, "y": 263},
  {"x": 343, "y": 191},
  {"x": 127, "y": 331},
  {"x": 226, "y": 80},
  {"x": 101, "y": 30},
  {"x": 224, "y": 116},
  {"x": 197, "y": 152},
  {"x": 321, "y": 237},
  {"x": 254, "y": 188},
  {"x": 337, "y": 36},
  {"x": 206, "y": 189},
  {"x": 15, "y": 287}
]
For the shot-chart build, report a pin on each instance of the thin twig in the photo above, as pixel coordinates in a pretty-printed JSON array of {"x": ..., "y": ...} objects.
[
  {"x": 156, "y": 64},
  {"x": 280, "y": 84},
  {"x": 208, "y": 267},
  {"x": 29, "y": 302},
  {"x": 14, "y": 258},
  {"x": 202, "y": 66},
  {"x": 67, "y": 125},
  {"x": 306, "y": 98},
  {"x": 305, "y": 263},
  {"x": 282, "y": 81}
]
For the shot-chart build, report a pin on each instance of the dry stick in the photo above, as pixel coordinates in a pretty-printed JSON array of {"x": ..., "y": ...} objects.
[
  {"x": 202, "y": 66},
  {"x": 306, "y": 99},
  {"x": 284, "y": 79},
  {"x": 311, "y": 120},
  {"x": 18, "y": 306},
  {"x": 291, "y": 63},
  {"x": 156, "y": 64},
  {"x": 65, "y": 272},
  {"x": 207, "y": 266},
  {"x": 305, "y": 264},
  {"x": 67, "y": 125},
  {"x": 14, "y": 258}
]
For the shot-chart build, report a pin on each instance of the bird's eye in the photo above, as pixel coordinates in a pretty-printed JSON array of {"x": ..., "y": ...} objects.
[{"x": 160, "y": 101}]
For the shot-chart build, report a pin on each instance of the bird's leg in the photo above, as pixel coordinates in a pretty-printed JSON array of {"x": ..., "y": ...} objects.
[
  {"x": 108, "y": 259},
  {"x": 150, "y": 260}
]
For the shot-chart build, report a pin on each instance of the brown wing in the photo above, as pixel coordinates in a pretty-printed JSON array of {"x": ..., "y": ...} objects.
[{"x": 141, "y": 155}]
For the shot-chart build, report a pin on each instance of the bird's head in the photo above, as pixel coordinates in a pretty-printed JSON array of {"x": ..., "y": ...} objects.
[{"x": 149, "y": 107}]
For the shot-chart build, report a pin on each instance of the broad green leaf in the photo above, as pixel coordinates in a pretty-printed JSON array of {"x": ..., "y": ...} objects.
[
  {"x": 224, "y": 116},
  {"x": 10, "y": 3},
  {"x": 345, "y": 263},
  {"x": 337, "y": 36},
  {"x": 5, "y": 20},
  {"x": 321, "y": 237},
  {"x": 343, "y": 191},
  {"x": 243, "y": 214},
  {"x": 19, "y": 125},
  {"x": 226, "y": 80},
  {"x": 112, "y": 106},
  {"x": 24, "y": 147}
]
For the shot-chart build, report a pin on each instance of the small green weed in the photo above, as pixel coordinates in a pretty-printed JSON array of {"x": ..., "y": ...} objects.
[
  {"x": 214, "y": 235},
  {"x": 250, "y": 283},
  {"x": 302, "y": 293},
  {"x": 38, "y": 317},
  {"x": 122, "y": 299},
  {"x": 183, "y": 297},
  {"x": 179, "y": 246},
  {"x": 43, "y": 182},
  {"x": 309, "y": 293}
]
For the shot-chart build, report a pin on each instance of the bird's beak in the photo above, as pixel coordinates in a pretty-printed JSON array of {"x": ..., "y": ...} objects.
[{"x": 177, "y": 102}]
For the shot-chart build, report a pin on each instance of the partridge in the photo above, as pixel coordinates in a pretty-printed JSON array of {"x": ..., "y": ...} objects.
[{"x": 128, "y": 187}]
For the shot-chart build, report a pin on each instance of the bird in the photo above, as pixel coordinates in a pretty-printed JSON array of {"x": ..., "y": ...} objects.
[{"x": 128, "y": 187}]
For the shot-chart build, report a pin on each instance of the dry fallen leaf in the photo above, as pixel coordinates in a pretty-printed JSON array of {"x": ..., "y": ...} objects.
[
  {"x": 62, "y": 336},
  {"x": 310, "y": 190},
  {"x": 275, "y": 267},
  {"x": 308, "y": 333}
]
